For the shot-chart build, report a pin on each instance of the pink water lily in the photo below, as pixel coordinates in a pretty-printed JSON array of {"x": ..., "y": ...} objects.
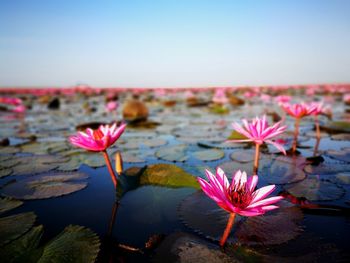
[
  {"x": 98, "y": 141},
  {"x": 298, "y": 111},
  {"x": 259, "y": 132},
  {"x": 239, "y": 196}
]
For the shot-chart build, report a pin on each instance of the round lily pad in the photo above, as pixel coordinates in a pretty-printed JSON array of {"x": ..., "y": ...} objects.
[
  {"x": 326, "y": 168},
  {"x": 209, "y": 155},
  {"x": 5, "y": 172},
  {"x": 341, "y": 137},
  {"x": 243, "y": 156},
  {"x": 343, "y": 178},
  {"x": 7, "y": 204},
  {"x": 339, "y": 155},
  {"x": 74, "y": 243},
  {"x": 12, "y": 227},
  {"x": 315, "y": 189},
  {"x": 18, "y": 250},
  {"x": 45, "y": 186},
  {"x": 219, "y": 144},
  {"x": 336, "y": 126},
  {"x": 279, "y": 172},
  {"x": 175, "y": 153},
  {"x": 132, "y": 157},
  {"x": 258, "y": 230},
  {"x": 9, "y": 150}
]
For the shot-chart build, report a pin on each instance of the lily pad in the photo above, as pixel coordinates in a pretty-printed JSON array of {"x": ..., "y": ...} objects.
[
  {"x": 209, "y": 155},
  {"x": 18, "y": 250},
  {"x": 315, "y": 189},
  {"x": 168, "y": 175},
  {"x": 326, "y": 168},
  {"x": 236, "y": 136},
  {"x": 243, "y": 156},
  {"x": 9, "y": 150},
  {"x": 45, "y": 186},
  {"x": 279, "y": 172},
  {"x": 339, "y": 155},
  {"x": 343, "y": 178},
  {"x": 5, "y": 172},
  {"x": 12, "y": 227},
  {"x": 341, "y": 137},
  {"x": 74, "y": 243},
  {"x": 37, "y": 164},
  {"x": 7, "y": 204},
  {"x": 219, "y": 145},
  {"x": 258, "y": 230},
  {"x": 132, "y": 157},
  {"x": 176, "y": 153},
  {"x": 336, "y": 126}
]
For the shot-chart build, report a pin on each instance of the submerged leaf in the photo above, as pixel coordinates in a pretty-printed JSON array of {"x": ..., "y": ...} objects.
[{"x": 12, "y": 227}]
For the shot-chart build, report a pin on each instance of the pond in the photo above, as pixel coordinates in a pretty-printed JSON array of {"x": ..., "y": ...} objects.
[{"x": 58, "y": 201}]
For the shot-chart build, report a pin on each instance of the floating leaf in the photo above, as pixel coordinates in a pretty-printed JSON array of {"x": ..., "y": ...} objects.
[
  {"x": 37, "y": 164},
  {"x": 12, "y": 227},
  {"x": 131, "y": 157},
  {"x": 339, "y": 155},
  {"x": 176, "y": 153},
  {"x": 73, "y": 244},
  {"x": 236, "y": 136},
  {"x": 5, "y": 172},
  {"x": 168, "y": 175},
  {"x": 243, "y": 156},
  {"x": 45, "y": 186},
  {"x": 279, "y": 172},
  {"x": 326, "y": 168},
  {"x": 9, "y": 150},
  {"x": 336, "y": 126},
  {"x": 209, "y": 155},
  {"x": 7, "y": 204},
  {"x": 341, "y": 137},
  {"x": 343, "y": 178},
  {"x": 18, "y": 250},
  {"x": 315, "y": 189},
  {"x": 258, "y": 230},
  {"x": 219, "y": 145}
]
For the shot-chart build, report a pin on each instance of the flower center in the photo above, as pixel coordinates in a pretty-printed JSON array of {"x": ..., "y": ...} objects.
[
  {"x": 240, "y": 197},
  {"x": 97, "y": 134}
]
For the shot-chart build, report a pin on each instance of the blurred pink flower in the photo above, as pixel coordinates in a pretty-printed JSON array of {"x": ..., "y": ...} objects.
[
  {"x": 320, "y": 108},
  {"x": 239, "y": 197},
  {"x": 220, "y": 96},
  {"x": 19, "y": 109},
  {"x": 283, "y": 98},
  {"x": 259, "y": 131},
  {"x": 111, "y": 106},
  {"x": 11, "y": 101},
  {"x": 298, "y": 110},
  {"x": 98, "y": 140},
  {"x": 265, "y": 97}
]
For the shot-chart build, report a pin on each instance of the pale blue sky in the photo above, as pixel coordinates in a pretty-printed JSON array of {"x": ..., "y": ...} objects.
[{"x": 174, "y": 42}]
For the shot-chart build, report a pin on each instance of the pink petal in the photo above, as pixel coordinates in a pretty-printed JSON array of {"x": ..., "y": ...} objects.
[
  {"x": 265, "y": 202},
  {"x": 262, "y": 193}
]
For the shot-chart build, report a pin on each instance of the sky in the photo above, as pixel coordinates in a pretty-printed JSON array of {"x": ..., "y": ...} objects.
[{"x": 174, "y": 43}]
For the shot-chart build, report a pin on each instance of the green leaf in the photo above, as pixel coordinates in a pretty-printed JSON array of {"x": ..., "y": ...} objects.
[
  {"x": 12, "y": 227},
  {"x": 73, "y": 244},
  {"x": 18, "y": 250},
  {"x": 168, "y": 175},
  {"x": 209, "y": 155},
  {"x": 7, "y": 204}
]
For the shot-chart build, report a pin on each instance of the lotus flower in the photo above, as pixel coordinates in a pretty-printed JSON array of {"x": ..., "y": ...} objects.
[
  {"x": 259, "y": 131},
  {"x": 298, "y": 111},
  {"x": 283, "y": 98},
  {"x": 320, "y": 108},
  {"x": 98, "y": 141},
  {"x": 239, "y": 197},
  {"x": 220, "y": 96},
  {"x": 111, "y": 106}
]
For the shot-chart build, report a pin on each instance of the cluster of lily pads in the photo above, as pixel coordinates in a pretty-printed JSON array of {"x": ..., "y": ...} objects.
[{"x": 239, "y": 197}]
